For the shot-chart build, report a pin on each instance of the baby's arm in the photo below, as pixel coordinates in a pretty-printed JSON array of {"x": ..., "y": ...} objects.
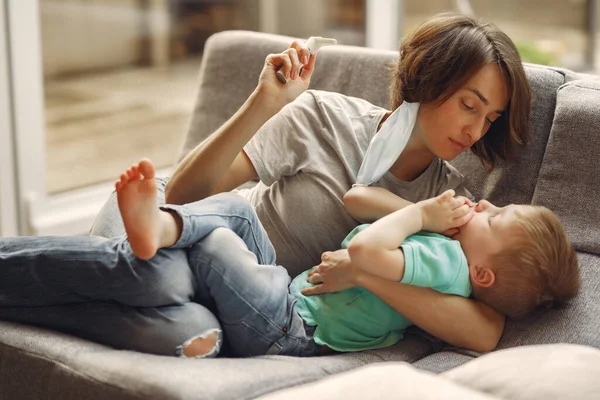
[
  {"x": 376, "y": 249},
  {"x": 367, "y": 203}
]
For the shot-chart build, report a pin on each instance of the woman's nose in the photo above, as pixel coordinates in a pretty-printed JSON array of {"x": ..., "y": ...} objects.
[{"x": 475, "y": 131}]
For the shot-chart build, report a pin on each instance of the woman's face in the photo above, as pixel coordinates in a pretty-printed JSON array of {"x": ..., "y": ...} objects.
[{"x": 454, "y": 126}]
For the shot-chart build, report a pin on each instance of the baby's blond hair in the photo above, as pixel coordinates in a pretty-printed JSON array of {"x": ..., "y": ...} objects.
[{"x": 537, "y": 268}]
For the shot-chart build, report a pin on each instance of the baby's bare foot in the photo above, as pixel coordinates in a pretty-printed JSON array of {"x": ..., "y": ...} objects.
[{"x": 136, "y": 195}]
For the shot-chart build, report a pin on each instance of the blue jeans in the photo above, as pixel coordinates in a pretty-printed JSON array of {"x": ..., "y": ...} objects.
[{"x": 96, "y": 288}]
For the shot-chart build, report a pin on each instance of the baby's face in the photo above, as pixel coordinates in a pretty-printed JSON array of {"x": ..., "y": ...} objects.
[{"x": 489, "y": 229}]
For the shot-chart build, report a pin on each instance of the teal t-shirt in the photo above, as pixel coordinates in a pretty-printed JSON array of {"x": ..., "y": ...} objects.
[{"x": 355, "y": 319}]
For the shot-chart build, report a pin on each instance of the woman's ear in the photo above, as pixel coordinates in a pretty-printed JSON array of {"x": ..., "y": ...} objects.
[{"x": 481, "y": 276}]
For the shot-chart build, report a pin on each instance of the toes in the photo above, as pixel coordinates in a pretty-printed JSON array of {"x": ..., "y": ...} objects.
[
  {"x": 118, "y": 186},
  {"x": 135, "y": 172},
  {"x": 147, "y": 168}
]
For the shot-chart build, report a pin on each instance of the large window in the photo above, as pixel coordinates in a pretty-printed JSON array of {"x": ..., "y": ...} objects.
[{"x": 119, "y": 80}]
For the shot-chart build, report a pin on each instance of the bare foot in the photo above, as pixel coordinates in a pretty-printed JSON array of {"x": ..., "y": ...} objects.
[{"x": 136, "y": 195}]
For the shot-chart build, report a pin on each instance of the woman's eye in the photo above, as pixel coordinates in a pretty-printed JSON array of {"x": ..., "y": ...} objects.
[{"x": 467, "y": 106}]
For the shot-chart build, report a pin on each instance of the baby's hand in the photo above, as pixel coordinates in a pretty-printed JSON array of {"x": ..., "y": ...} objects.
[
  {"x": 466, "y": 200},
  {"x": 444, "y": 212}
]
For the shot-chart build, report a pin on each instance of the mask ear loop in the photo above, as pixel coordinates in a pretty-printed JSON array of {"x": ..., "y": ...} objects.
[{"x": 387, "y": 144}]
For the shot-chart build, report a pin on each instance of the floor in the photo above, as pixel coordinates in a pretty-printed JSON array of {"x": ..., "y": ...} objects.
[{"x": 97, "y": 125}]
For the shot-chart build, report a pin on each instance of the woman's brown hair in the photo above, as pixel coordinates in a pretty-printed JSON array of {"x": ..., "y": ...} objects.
[{"x": 442, "y": 54}]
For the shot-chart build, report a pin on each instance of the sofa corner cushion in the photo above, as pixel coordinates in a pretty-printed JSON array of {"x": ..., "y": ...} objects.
[{"x": 570, "y": 175}]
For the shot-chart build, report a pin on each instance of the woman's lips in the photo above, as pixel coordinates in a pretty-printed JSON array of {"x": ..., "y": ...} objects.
[{"x": 459, "y": 146}]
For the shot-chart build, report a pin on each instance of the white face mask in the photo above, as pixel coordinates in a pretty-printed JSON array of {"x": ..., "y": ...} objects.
[{"x": 387, "y": 144}]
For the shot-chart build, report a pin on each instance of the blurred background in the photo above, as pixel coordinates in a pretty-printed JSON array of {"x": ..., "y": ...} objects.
[{"x": 119, "y": 76}]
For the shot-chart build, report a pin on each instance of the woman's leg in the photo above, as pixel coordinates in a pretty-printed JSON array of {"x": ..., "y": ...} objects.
[
  {"x": 150, "y": 228},
  {"x": 251, "y": 300},
  {"x": 224, "y": 210},
  {"x": 44, "y": 271},
  {"x": 185, "y": 330},
  {"x": 108, "y": 222}
]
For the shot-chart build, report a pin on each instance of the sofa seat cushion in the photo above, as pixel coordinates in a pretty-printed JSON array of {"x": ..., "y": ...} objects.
[
  {"x": 66, "y": 367},
  {"x": 445, "y": 360}
]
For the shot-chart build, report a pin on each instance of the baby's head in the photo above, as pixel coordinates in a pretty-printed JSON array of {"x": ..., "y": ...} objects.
[{"x": 519, "y": 258}]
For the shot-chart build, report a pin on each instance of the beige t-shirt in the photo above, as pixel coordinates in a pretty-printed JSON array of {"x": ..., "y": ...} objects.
[{"x": 307, "y": 157}]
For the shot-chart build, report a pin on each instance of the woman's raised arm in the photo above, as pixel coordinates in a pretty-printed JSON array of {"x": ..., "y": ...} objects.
[{"x": 219, "y": 163}]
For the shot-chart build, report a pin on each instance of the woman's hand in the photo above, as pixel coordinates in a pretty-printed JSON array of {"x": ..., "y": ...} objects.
[
  {"x": 290, "y": 60},
  {"x": 335, "y": 273}
]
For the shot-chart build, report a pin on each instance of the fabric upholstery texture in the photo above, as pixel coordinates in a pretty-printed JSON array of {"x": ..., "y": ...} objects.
[
  {"x": 569, "y": 179},
  {"x": 381, "y": 381},
  {"x": 559, "y": 170},
  {"x": 550, "y": 372},
  {"x": 37, "y": 363},
  {"x": 445, "y": 360}
]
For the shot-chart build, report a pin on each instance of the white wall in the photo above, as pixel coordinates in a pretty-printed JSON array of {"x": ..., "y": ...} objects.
[{"x": 78, "y": 35}]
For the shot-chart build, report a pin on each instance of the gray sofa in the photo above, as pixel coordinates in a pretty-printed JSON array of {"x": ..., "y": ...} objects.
[{"x": 559, "y": 170}]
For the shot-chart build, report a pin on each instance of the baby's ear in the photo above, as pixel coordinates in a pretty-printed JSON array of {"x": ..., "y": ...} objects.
[{"x": 482, "y": 276}]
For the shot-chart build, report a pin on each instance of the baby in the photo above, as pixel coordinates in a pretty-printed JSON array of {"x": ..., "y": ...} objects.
[{"x": 515, "y": 259}]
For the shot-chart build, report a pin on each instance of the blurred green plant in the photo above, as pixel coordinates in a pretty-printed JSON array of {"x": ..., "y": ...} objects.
[{"x": 533, "y": 54}]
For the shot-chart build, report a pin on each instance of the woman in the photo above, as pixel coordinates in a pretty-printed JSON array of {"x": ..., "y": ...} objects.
[{"x": 307, "y": 147}]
